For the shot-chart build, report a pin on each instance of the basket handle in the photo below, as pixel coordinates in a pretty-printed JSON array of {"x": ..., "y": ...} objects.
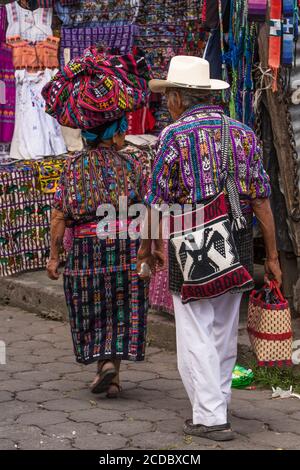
[{"x": 276, "y": 289}]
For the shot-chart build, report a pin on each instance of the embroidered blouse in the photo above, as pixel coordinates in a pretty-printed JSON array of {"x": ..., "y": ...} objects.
[
  {"x": 100, "y": 176},
  {"x": 187, "y": 166}
]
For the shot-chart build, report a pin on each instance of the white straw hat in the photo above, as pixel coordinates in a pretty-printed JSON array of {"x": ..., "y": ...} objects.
[{"x": 188, "y": 72}]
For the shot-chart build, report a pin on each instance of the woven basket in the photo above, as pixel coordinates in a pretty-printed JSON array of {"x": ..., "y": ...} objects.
[{"x": 270, "y": 328}]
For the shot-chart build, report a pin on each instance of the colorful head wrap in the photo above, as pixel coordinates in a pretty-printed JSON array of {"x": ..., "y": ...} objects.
[
  {"x": 96, "y": 88},
  {"x": 120, "y": 126}
]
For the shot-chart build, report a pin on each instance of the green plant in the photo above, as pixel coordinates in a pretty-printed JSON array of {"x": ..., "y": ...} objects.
[{"x": 283, "y": 377}]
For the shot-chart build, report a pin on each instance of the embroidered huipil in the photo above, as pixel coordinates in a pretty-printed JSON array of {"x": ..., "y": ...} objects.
[
  {"x": 187, "y": 166},
  {"x": 187, "y": 170}
]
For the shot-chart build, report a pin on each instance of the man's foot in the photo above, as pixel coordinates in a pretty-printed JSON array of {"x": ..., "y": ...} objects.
[{"x": 220, "y": 432}]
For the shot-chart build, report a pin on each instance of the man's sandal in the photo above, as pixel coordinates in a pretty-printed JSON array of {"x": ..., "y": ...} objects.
[{"x": 220, "y": 432}]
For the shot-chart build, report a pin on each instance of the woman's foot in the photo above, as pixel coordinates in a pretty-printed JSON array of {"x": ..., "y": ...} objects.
[
  {"x": 114, "y": 390},
  {"x": 106, "y": 373}
]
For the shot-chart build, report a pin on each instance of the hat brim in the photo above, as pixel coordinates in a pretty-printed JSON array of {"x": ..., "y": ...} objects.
[{"x": 160, "y": 86}]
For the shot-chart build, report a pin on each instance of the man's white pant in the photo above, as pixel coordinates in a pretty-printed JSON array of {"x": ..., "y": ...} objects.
[{"x": 206, "y": 333}]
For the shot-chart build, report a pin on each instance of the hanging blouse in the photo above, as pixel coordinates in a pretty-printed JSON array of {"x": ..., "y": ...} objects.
[
  {"x": 30, "y": 25},
  {"x": 43, "y": 54}
]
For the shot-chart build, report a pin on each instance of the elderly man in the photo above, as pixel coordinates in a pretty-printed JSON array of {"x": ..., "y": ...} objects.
[{"x": 187, "y": 170}]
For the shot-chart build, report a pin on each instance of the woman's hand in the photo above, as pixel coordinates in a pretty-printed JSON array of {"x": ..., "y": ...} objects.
[
  {"x": 52, "y": 269},
  {"x": 154, "y": 260}
]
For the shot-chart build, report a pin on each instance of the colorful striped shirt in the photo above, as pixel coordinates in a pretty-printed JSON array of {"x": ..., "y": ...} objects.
[{"x": 187, "y": 167}]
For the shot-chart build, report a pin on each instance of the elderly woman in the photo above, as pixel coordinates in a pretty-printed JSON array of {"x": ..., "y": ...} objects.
[{"x": 107, "y": 301}]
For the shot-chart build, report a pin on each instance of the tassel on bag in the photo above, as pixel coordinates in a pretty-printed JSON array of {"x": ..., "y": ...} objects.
[{"x": 275, "y": 39}]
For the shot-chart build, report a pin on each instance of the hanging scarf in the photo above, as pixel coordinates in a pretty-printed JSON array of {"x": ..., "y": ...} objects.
[
  {"x": 275, "y": 39},
  {"x": 288, "y": 33},
  {"x": 288, "y": 7},
  {"x": 204, "y": 11},
  {"x": 257, "y": 10},
  {"x": 290, "y": 37}
]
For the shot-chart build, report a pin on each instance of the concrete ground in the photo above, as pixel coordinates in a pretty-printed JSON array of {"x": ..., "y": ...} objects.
[
  {"x": 45, "y": 402},
  {"x": 34, "y": 292}
]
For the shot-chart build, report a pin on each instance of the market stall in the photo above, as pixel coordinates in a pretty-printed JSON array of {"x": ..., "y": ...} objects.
[{"x": 250, "y": 43}]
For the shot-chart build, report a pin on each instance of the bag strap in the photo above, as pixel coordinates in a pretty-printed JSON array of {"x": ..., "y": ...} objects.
[{"x": 239, "y": 221}]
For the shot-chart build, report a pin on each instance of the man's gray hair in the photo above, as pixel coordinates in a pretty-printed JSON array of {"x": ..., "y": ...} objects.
[{"x": 191, "y": 96}]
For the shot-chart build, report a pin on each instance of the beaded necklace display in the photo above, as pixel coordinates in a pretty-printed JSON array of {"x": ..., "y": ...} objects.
[{"x": 237, "y": 61}]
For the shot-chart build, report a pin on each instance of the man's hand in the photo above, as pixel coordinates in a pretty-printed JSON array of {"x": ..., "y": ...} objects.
[
  {"x": 52, "y": 269},
  {"x": 273, "y": 270}
]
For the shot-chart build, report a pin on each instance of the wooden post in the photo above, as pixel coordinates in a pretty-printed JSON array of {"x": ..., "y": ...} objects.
[{"x": 284, "y": 150}]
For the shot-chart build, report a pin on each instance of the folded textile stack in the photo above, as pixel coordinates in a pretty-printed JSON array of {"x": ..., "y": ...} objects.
[
  {"x": 118, "y": 37},
  {"x": 95, "y": 11},
  {"x": 97, "y": 88}
]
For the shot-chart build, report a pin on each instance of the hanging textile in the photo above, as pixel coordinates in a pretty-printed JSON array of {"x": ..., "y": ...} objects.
[
  {"x": 275, "y": 39},
  {"x": 36, "y": 134},
  {"x": 117, "y": 37},
  {"x": 204, "y": 11},
  {"x": 34, "y": 56},
  {"x": 288, "y": 40},
  {"x": 90, "y": 13},
  {"x": 257, "y": 10},
  {"x": 237, "y": 60},
  {"x": 7, "y": 85},
  {"x": 26, "y": 199},
  {"x": 30, "y": 25}
]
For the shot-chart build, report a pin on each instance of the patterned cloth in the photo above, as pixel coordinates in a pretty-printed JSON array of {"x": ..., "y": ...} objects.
[
  {"x": 160, "y": 41},
  {"x": 100, "y": 176},
  {"x": 116, "y": 37},
  {"x": 2, "y": 23},
  {"x": 160, "y": 298},
  {"x": 106, "y": 300},
  {"x": 97, "y": 88},
  {"x": 95, "y": 11},
  {"x": 187, "y": 165},
  {"x": 7, "y": 106},
  {"x": 25, "y": 215},
  {"x": 34, "y": 56},
  {"x": 7, "y": 85}
]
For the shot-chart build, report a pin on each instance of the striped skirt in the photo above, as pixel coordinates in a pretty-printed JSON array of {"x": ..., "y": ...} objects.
[{"x": 107, "y": 302}]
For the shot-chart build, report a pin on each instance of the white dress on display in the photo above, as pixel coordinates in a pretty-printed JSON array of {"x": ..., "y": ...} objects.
[
  {"x": 30, "y": 25},
  {"x": 36, "y": 133}
]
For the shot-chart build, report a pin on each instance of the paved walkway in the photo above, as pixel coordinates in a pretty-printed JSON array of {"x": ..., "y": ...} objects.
[{"x": 45, "y": 402}]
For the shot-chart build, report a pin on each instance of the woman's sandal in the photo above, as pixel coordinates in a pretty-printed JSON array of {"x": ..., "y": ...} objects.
[
  {"x": 220, "y": 432},
  {"x": 103, "y": 380},
  {"x": 114, "y": 390}
]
